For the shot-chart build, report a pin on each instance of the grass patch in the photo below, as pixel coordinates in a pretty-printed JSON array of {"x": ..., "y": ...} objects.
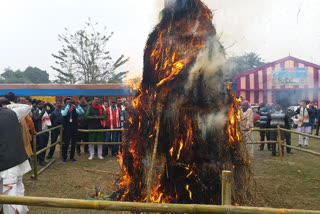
[{"x": 294, "y": 183}]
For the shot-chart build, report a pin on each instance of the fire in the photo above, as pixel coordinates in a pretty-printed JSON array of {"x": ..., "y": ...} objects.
[
  {"x": 190, "y": 193},
  {"x": 182, "y": 152}
]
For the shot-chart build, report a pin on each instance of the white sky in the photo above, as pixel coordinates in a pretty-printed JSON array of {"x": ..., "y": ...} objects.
[{"x": 271, "y": 28}]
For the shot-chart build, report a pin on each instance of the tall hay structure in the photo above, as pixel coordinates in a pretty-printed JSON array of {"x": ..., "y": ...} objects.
[{"x": 184, "y": 96}]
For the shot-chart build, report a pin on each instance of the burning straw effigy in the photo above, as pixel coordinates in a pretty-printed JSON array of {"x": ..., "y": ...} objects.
[{"x": 184, "y": 124}]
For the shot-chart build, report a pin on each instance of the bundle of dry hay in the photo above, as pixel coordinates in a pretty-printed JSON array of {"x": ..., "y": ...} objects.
[{"x": 184, "y": 95}]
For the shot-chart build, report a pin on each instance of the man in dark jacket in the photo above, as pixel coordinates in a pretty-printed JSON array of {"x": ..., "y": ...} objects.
[
  {"x": 287, "y": 135},
  {"x": 264, "y": 124},
  {"x": 37, "y": 117},
  {"x": 278, "y": 118},
  {"x": 314, "y": 114},
  {"x": 83, "y": 123},
  {"x": 70, "y": 128},
  {"x": 56, "y": 120}
]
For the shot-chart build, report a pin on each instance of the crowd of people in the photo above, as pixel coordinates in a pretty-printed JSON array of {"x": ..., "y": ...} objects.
[
  {"x": 22, "y": 118},
  {"x": 279, "y": 115}
]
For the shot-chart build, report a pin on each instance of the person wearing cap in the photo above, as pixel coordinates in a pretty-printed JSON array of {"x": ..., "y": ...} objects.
[
  {"x": 95, "y": 115},
  {"x": 246, "y": 124},
  {"x": 304, "y": 123},
  {"x": 112, "y": 122}
]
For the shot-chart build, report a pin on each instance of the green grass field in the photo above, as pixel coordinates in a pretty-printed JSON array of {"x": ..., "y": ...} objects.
[{"x": 293, "y": 183}]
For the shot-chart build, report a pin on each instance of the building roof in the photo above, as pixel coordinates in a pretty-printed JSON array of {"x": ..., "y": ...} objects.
[
  {"x": 274, "y": 63},
  {"x": 112, "y": 89},
  {"x": 64, "y": 86}
]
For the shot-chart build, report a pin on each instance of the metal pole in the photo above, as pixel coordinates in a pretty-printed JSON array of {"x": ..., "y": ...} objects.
[
  {"x": 35, "y": 162},
  {"x": 226, "y": 187}
]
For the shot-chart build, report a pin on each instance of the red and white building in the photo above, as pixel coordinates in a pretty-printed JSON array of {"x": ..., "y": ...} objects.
[{"x": 285, "y": 81}]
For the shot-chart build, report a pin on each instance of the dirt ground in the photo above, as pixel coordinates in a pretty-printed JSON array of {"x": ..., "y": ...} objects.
[{"x": 293, "y": 183}]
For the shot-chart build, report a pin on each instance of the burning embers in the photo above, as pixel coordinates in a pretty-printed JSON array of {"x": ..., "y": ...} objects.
[{"x": 184, "y": 125}]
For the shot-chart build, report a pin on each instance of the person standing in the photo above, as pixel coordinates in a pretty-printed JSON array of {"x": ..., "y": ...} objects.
[
  {"x": 41, "y": 121},
  {"x": 95, "y": 114},
  {"x": 83, "y": 124},
  {"x": 113, "y": 122},
  {"x": 128, "y": 107},
  {"x": 70, "y": 128},
  {"x": 313, "y": 115},
  {"x": 264, "y": 124},
  {"x": 318, "y": 122},
  {"x": 27, "y": 127},
  {"x": 287, "y": 135},
  {"x": 278, "y": 118},
  {"x": 105, "y": 105},
  {"x": 13, "y": 157},
  {"x": 304, "y": 123},
  {"x": 56, "y": 120},
  {"x": 246, "y": 124}
]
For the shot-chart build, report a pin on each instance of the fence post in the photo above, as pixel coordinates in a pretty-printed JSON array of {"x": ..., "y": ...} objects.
[
  {"x": 280, "y": 142},
  {"x": 226, "y": 187},
  {"x": 61, "y": 142},
  {"x": 35, "y": 162}
]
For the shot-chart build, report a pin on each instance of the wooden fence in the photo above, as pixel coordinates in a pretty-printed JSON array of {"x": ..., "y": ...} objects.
[
  {"x": 152, "y": 207},
  {"x": 280, "y": 143},
  {"x": 36, "y": 173},
  {"x": 36, "y": 153}
]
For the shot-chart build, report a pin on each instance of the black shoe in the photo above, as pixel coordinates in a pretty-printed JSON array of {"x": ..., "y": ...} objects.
[
  {"x": 73, "y": 160},
  {"x": 42, "y": 163},
  {"x": 64, "y": 161},
  {"x": 260, "y": 149},
  {"x": 49, "y": 156},
  {"x": 306, "y": 146},
  {"x": 299, "y": 145}
]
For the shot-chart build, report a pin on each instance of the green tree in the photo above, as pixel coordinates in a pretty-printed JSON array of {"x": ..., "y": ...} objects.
[
  {"x": 36, "y": 75},
  {"x": 29, "y": 75},
  {"x": 84, "y": 57},
  {"x": 239, "y": 64}
]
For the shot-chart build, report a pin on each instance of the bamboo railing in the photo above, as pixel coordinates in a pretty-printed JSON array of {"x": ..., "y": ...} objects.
[
  {"x": 279, "y": 141},
  {"x": 36, "y": 153},
  {"x": 144, "y": 207},
  {"x": 99, "y": 130}
]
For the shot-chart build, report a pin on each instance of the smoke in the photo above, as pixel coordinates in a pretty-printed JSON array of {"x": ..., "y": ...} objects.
[
  {"x": 208, "y": 67},
  {"x": 214, "y": 121}
]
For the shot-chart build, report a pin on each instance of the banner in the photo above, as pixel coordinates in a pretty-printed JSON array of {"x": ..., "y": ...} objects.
[{"x": 289, "y": 76}]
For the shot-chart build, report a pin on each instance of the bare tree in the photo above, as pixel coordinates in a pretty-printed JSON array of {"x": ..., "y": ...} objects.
[{"x": 84, "y": 57}]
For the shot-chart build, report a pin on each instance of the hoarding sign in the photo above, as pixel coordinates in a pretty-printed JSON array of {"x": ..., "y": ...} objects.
[{"x": 289, "y": 76}]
